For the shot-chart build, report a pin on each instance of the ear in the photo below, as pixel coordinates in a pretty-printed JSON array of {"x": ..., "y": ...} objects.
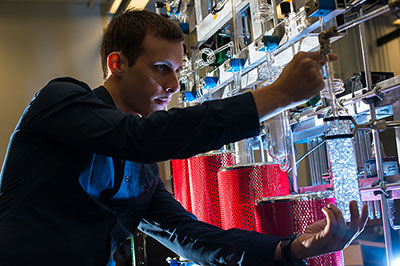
[{"x": 115, "y": 63}]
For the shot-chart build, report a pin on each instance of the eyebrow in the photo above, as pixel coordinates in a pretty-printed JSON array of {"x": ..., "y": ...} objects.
[{"x": 170, "y": 65}]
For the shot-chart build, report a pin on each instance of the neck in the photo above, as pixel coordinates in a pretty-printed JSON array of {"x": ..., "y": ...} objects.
[{"x": 112, "y": 86}]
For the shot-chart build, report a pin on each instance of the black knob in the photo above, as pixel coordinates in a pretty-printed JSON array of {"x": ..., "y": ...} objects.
[
  {"x": 285, "y": 8},
  {"x": 159, "y": 4}
]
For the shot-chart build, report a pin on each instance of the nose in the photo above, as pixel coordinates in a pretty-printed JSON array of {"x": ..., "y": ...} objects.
[{"x": 172, "y": 85}]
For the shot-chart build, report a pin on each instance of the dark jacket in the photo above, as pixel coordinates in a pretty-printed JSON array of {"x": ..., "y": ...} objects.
[{"x": 80, "y": 176}]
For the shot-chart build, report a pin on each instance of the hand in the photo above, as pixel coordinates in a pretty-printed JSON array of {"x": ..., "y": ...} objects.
[
  {"x": 330, "y": 234},
  {"x": 299, "y": 81}
]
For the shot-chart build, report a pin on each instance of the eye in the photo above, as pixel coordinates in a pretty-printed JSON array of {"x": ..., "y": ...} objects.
[{"x": 162, "y": 68}]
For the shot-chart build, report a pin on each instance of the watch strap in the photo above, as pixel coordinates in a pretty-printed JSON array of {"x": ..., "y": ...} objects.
[{"x": 287, "y": 256}]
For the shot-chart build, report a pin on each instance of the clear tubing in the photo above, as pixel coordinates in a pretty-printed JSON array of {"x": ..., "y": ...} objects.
[
  {"x": 223, "y": 47},
  {"x": 343, "y": 165},
  {"x": 331, "y": 89},
  {"x": 329, "y": 83}
]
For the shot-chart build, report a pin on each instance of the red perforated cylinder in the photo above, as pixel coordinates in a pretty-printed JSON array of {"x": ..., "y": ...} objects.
[
  {"x": 204, "y": 195},
  {"x": 180, "y": 178},
  {"x": 241, "y": 185},
  {"x": 287, "y": 215}
]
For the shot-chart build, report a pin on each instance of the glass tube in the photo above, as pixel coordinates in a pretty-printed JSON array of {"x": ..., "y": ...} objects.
[
  {"x": 263, "y": 14},
  {"x": 243, "y": 152},
  {"x": 370, "y": 205},
  {"x": 377, "y": 209},
  {"x": 342, "y": 162},
  {"x": 278, "y": 138},
  {"x": 266, "y": 71}
]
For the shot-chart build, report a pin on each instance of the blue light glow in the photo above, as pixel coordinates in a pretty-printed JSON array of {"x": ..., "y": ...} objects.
[{"x": 396, "y": 262}]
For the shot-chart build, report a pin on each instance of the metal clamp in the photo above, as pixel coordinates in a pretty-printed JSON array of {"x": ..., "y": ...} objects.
[
  {"x": 376, "y": 124},
  {"x": 324, "y": 40},
  {"x": 382, "y": 188},
  {"x": 375, "y": 95}
]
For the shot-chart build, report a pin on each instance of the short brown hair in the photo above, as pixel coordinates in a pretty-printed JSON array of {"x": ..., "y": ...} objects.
[{"x": 127, "y": 31}]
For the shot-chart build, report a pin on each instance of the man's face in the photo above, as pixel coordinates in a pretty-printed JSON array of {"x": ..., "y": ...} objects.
[{"x": 149, "y": 84}]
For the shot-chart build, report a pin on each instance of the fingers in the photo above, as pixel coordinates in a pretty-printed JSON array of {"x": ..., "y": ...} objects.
[
  {"x": 331, "y": 223},
  {"x": 320, "y": 59},
  {"x": 340, "y": 236},
  {"x": 316, "y": 56},
  {"x": 337, "y": 213},
  {"x": 354, "y": 217},
  {"x": 345, "y": 234},
  {"x": 334, "y": 234},
  {"x": 364, "y": 218},
  {"x": 357, "y": 223}
]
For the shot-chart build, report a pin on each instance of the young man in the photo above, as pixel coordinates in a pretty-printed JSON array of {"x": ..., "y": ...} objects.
[{"x": 80, "y": 173}]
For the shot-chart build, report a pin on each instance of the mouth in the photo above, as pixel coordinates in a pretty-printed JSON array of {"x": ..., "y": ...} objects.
[{"x": 163, "y": 100}]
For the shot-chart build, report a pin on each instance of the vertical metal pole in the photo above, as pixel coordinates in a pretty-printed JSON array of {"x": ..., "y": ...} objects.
[
  {"x": 198, "y": 11},
  {"x": 317, "y": 164},
  {"x": 237, "y": 75},
  {"x": 133, "y": 250},
  {"x": 377, "y": 147},
  {"x": 396, "y": 117},
  {"x": 323, "y": 158},
  {"x": 310, "y": 144},
  {"x": 274, "y": 13},
  {"x": 261, "y": 147},
  {"x": 364, "y": 52}
]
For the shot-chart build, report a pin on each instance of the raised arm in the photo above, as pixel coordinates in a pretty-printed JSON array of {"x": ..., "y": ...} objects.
[{"x": 299, "y": 81}]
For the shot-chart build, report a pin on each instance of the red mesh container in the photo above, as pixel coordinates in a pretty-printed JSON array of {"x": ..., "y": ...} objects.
[
  {"x": 203, "y": 171},
  {"x": 241, "y": 185},
  {"x": 287, "y": 215},
  {"x": 180, "y": 176}
]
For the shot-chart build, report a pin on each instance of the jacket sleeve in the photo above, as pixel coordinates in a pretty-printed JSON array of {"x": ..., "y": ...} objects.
[
  {"x": 70, "y": 114},
  {"x": 169, "y": 223}
]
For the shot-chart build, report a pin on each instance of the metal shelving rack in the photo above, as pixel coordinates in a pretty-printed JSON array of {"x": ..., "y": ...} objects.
[{"x": 311, "y": 124}]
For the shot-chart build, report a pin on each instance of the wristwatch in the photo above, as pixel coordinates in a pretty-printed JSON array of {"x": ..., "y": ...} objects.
[{"x": 287, "y": 254}]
